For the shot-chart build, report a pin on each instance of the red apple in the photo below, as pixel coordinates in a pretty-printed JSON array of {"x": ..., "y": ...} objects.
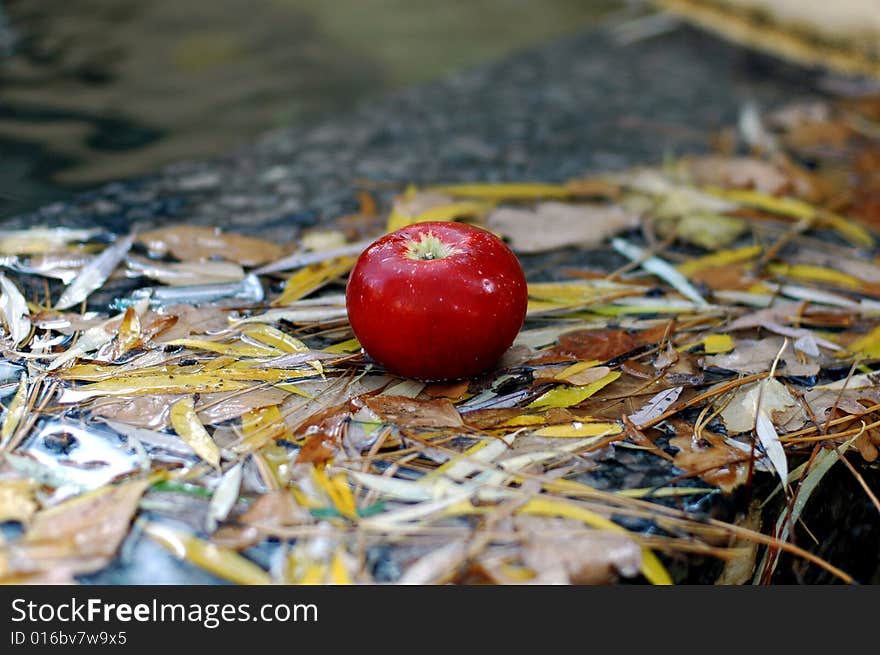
[{"x": 437, "y": 301}]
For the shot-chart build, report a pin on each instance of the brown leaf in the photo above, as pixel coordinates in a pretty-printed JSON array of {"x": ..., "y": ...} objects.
[
  {"x": 741, "y": 172},
  {"x": 485, "y": 419},
  {"x": 608, "y": 343},
  {"x": 710, "y": 458},
  {"x": 552, "y": 225},
  {"x": 17, "y": 500},
  {"x": 218, "y": 407},
  {"x": 451, "y": 390},
  {"x": 564, "y": 552},
  {"x": 276, "y": 509},
  {"x": 80, "y": 535},
  {"x": 317, "y": 449},
  {"x": 756, "y": 356},
  {"x": 198, "y": 243},
  {"x": 411, "y": 413},
  {"x": 189, "y": 320},
  {"x": 147, "y": 411},
  {"x": 324, "y": 431}
]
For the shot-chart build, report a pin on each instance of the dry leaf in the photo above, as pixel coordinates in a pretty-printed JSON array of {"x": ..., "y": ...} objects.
[
  {"x": 80, "y": 535},
  {"x": 757, "y": 355},
  {"x": 564, "y": 552},
  {"x": 552, "y": 225},
  {"x": 195, "y": 243},
  {"x": 410, "y": 413}
]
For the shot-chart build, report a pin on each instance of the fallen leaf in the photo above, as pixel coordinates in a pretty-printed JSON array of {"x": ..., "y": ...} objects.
[
  {"x": 195, "y": 243},
  {"x": 560, "y": 551},
  {"x": 607, "y": 344},
  {"x": 17, "y": 500},
  {"x": 80, "y": 535},
  {"x": 552, "y": 225},
  {"x": 739, "y": 414},
  {"x": 410, "y": 413},
  {"x": 709, "y": 457},
  {"x": 188, "y": 426},
  {"x": 756, "y": 356}
]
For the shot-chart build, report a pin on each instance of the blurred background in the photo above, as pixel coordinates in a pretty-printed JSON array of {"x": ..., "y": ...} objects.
[{"x": 96, "y": 90}]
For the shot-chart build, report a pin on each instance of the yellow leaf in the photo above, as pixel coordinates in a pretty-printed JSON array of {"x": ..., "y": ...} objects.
[
  {"x": 794, "y": 208},
  {"x": 450, "y": 212},
  {"x": 652, "y": 568},
  {"x": 720, "y": 258},
  {"x": 337, "y": 490},
  {"x": 188, "y": 426},
  {"x": 129, "y": 334},
  {"x": 313, "y": 277},
  {"x": 262, "y": 426},
  {"x": 568, "y": 396},
  {"x": 580, "y": 429},
  {"x": 15, "y": 411},
  {"x": 233, "y": 349},
  {"x": 810, "y": 273},
  {"x": 153, "y": 384},
  {"x": 17, "y": 500},
  {"x": 274, "y": 337},
  {"x": 713, "y": 344},
  {"x": 663, "y": 492},
  {"x": 314, "y": 574},
  {"x": 717, "y": 343},
  {"x": 507, "y": 191},
  {"x": 868, "y": 345},
  {"x": 523, "y": 420},
  {"x": 222, "y": 562},
  {"x": 348, "y": 346},
  {"x": 338, "y": 571},
  {"x": 517, "y": 573},
  {"x": 576, "y": 368}
]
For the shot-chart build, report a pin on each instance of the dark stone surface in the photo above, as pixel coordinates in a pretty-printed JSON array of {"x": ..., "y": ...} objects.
[{"x": 579, "y": 105}]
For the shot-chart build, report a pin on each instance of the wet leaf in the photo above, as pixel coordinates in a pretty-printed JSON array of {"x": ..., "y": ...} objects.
[
  {"x": 769, "y": 395},
  {"x": 651, "y": 567},
  {"x": 181, "y": 274},
  {"x": 14, "y": 412},
  {"x": 313, "y": 277},
  {"x": 17, "y": 500},
  {"x": 195, "y": 243},
  {"x": 580, "y": 429},
  {"x": 705, "y": 229},
  {"x": 656, "y": 406},
  {"x": 607, "y": 344},
  {"x": 660, "y": 268},
  {"x": 95, "y": 273},
  {"x": 41, "y": 240},
  {"x": 552, "y": 225},
  {"x": 222, "y": 562},
  {"x": 564, "y": 396},
  {"x": 14, "y": 311},
  {"x": 80, "y": 535},
  {"x": 709, "y": 457},
  {"x": 423, "y": 206},
  {"x": 411, "y": 413},
  {"x": 188, "y": 426},
  {"x": 502, "y": 192},
  {"x": 561, "y": 554},
  {"x": 225, "y": 496}
]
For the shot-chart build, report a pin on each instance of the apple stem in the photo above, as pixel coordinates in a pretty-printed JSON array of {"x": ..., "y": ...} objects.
[{"x": 428, "y": 247}]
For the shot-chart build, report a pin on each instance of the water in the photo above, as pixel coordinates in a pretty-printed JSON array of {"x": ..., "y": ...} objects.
[{"x": 96, "y": 90}]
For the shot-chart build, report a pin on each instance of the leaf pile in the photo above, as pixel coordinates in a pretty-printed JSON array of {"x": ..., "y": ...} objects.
[{"x": 725, "y": 326}]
